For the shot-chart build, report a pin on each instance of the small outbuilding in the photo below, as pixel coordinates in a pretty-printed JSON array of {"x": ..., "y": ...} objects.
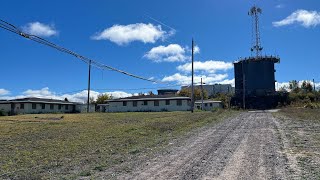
[{"x": 208, "y": 105}]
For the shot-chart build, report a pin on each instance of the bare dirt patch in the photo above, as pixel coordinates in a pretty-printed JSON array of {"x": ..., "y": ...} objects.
[{"x": 245, "y": 147}]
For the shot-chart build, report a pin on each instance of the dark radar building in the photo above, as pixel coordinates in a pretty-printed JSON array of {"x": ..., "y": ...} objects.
[
  {"x": 255, "y": 82},
  {"x": 255, "y": 75}
]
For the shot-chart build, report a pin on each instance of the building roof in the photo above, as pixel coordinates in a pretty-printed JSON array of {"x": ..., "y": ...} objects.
[
  {"x": 168, "y": 90},
  {"x": 36, "y": 100},
  {"x": 149, "y": 98}
]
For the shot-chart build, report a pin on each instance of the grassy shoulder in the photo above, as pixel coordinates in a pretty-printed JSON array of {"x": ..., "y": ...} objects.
[
  {"x": 72, "y": 145},
  {"x": 301, "y": 127},
  {"x": 301, "y": 113}
]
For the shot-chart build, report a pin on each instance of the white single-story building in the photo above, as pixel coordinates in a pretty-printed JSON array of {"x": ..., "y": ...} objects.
[
  {"x": 148, "y": 103},
  {"x": 208, "y": 105},
  {"x": 37, "y": 105}
]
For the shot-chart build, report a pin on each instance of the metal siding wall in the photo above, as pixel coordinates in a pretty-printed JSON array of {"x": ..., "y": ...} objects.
[{"x": 259, "y": 77}]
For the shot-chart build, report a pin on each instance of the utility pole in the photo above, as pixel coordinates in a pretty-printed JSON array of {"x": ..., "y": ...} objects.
[
  {"x": 192, "y": 72},
  {"x": 314, "y": 86},
  {"x": 201, "y": 95},
  {"x": 89, "y": 80},
  {"x": 244, "y": 91}
]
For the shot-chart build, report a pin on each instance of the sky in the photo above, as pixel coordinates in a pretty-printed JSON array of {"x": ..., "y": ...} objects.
[{"x": 151, "y": 39}]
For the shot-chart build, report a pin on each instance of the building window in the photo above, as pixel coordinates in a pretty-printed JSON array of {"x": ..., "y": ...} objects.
[
  {"x": 67, "y": 107},
  {"x": 179, "y": 102},
  {"x": 59, "y": 106},
  {"x": 145, "y": 103},
  {"x": 167, "y": 102},
  {"x": 189, "y": 102},
  {"x": 21, "y": 106},
  {"x": 134, "y": 103},
  {"x": 34, "y": 106},
  {"x": 124, "y": 103},
  {"x": 210, "y": 104},
  {"x": 156, "y": 103},
  {"x": 51, "y": 106},
  {"x": 205, "y": 104},
  {"x": 43, "y": 106}
]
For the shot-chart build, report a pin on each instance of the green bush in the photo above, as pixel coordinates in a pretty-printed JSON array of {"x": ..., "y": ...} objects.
[{"x": 3, "y": 113}]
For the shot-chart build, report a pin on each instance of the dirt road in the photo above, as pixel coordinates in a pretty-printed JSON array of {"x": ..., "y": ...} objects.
[{"x": 248, "y": 146}]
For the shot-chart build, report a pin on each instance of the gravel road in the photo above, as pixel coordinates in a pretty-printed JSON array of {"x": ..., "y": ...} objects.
[{"x": 248, "y": 146}]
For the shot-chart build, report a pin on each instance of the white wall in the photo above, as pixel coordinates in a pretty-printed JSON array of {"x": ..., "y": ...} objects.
[
  {"x": 82, "y": 108},
  {"x": 118, "y": 106},
  {"x": 29, "y": 110},
  {"x": 207, "y": 107},
  {"x": 5, "y": 107}
]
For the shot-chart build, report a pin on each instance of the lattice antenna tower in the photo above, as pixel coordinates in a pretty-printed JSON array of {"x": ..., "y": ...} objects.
[{"x": 256, "y": 42}]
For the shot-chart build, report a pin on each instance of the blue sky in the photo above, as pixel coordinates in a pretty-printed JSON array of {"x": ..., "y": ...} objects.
[{"x": 151, "y": 39}]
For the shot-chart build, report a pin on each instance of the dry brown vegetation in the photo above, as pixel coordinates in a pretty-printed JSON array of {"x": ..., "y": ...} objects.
[
  {"x": 68, "y": 146},
  {"x": 301, "y": 127}
]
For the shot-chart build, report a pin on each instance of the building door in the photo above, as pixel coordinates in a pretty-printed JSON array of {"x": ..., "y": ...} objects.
[{"x": 13, "y": 106}]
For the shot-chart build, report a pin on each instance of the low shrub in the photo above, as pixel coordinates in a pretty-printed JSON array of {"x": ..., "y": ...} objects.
[{"x": 3, "y": 113}]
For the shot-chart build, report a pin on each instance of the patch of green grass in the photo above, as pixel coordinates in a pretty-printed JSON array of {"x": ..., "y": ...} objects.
[{"x": 80, "y": 143}]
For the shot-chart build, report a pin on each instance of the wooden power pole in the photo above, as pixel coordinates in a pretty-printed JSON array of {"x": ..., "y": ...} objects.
[
  {"x": 192, "y": 72},
  {"x": 89, "y": 81}
]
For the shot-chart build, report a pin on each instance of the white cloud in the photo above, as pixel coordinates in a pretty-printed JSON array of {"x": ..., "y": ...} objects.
[
  {"x": 170, "y": 53},
  {"x": 125, "y": 34},
  {"x": 303, "y": 17},
  {"x": 196, "y": 49},
  {"x": 39, "y": 29},
  {"x": 285, "y": 85},
  {"x": 228, "y": 81},
  {"x": 4, "y": 92},
  {"x": 186, "y": 80},
  {"x": 209, "y": 66},
  {"x": 75, "y": 97}
]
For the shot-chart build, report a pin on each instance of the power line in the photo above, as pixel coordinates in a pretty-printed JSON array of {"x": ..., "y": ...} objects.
[
  {"x": 118, "y": 89},
  {"x": 10, "y": 27}
]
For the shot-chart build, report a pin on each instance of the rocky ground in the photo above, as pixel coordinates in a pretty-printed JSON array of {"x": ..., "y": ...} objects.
[{"x": 253, "y": 145}]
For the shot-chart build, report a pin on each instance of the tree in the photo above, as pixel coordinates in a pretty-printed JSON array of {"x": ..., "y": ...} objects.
[
  {"x": 294, "y": 86},
  {"x": 186, "y": 92},
  {"x": 101, "y": 99},
  {"x": 91, "y": 100},
  {"x": 306, "y": 86}
]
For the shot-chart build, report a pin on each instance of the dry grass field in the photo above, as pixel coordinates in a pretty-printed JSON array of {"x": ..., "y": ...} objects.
[
  {"x": 69, "y": 146},
  {"x": 301, "y": 128}
]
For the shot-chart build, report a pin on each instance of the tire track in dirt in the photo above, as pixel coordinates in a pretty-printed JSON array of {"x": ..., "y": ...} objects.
[{"x": 244, "y": 147}]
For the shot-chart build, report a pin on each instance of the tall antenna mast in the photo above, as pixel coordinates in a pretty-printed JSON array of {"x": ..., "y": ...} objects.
[{"x": 255, "y": 12}]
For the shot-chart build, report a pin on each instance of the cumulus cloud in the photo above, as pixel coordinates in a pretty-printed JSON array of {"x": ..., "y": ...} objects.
[
  {"x": 209, "y": 66},
  {"x": 285, "y": 85},
  {"x": 170, "y": 53},
  {"x": 4, "y": 92},
  {"x": 228, "y": 81},
  {"x": 186, "y": 80},
  {"x": 75, "y": 97},
  {"x": 40, "y": 29},
  {"x": 125, "y": 34},
  {"x": 302, "y": 17}
]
